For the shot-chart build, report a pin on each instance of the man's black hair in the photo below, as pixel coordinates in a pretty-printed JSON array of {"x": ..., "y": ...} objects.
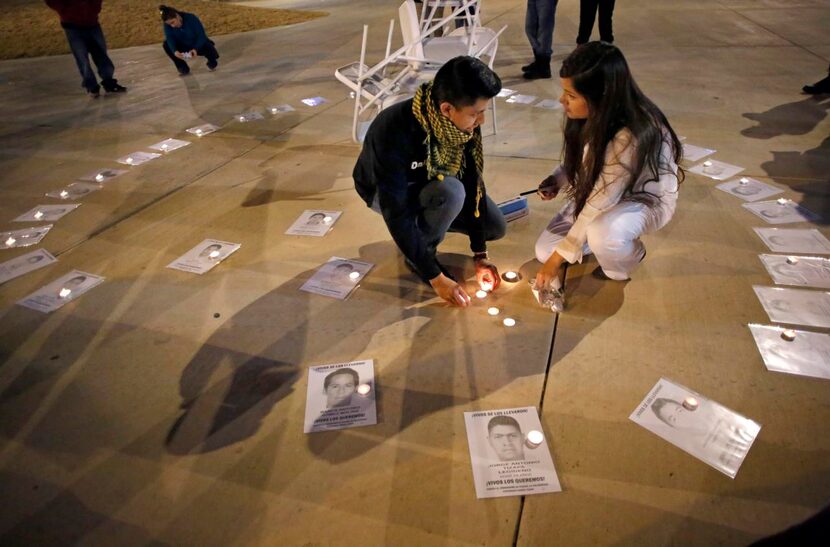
[{"x": 464, "y": 80}]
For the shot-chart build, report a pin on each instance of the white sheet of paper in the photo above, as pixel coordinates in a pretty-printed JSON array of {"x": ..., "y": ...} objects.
[
  {"x": 314, "y": 222},
  {"x": 23, "y": 238},
  {"x": 549, "y": 104},
  {"x": 202, "y": 130},
  {"x": 246, "y": 117},
  {"x": 47, "y": 213},
  {"x": 339, "y": 396},
  {"x": 796, "y": 306},
  {"x": 314, "y": 101},
  {"x": 337, "y": 278},
  {"x": 794, "y": 240},
  {"x": 75, "y": 190},
  {"x": 61, "y": 291},
  {"x": 168, "y": 145},
  {"x": 692, "y": 153},
  {"x": 103, "y": 175},
  {"x": 280, "y": 108},
  {"x": 804, "y": 271},
  {"x": 781, "y": 211},
  {"x": 204, "y": 256},
  {"x": 137, "y": 158},
  {"x": 24, "y": 264},
  {"x": 717, "y": 170},
  {"x": 506, "y": 92},
  {"x": 707, "y": 430},
  {"x": 504, "y": 462},
  {"x": 521, "y": 99},
  {"x": 749, "y": 189},
  {"x": 807, "y": 354}
]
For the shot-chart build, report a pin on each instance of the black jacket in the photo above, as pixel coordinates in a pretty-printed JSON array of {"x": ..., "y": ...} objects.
[{"x": 391, "y": 165}]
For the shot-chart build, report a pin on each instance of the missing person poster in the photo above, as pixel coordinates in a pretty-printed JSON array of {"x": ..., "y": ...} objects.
[
  {"x": 748, "y": 189},
  {"x": 793, "y": 351},
  {"x": 314, "y": 223},
  {"x": 23, "y": 238},
  {"x": 47, "y": 213},
  {"x": 337, "y": 278},
  {"x": 794, "y": 240},
  {"x": 103, "y": 175},
  {"x": 703, "y": 428},
  {"x": 61, "y": 291},
  {"x": 75, "y": 190},
  {"x": 24, "y": 264},
  {"x": 781, "y": 211},
  {"x": 509, "y": 453},
  {"x": 806, "y": 271},
  {"x": 797, "y": 306},
  {"x": 340, "y": 395},
  {"x": 204, "y": 256}
]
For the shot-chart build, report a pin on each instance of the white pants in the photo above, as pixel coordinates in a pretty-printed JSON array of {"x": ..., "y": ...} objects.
[{"x": 613, "y": 236}]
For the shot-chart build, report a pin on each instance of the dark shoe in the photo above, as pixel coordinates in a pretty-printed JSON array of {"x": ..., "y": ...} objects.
[
  {"x": 530, "y": 66},
  {"x": 212, "y": 65},
  {"x": 115, "y": 88},
  {"x": 822, "y": 86},
  {"x": 184, "y": 72},
  {"x": 94, "y": 93},
  {"x": 580, "y": 40},
  {"x": 541, "y": 70}
]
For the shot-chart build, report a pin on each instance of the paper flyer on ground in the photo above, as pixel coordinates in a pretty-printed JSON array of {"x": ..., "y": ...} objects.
[
  {"x": 24, "y": 264},
  {"x": 76, "y": 190},
  {"x": 202, "y": 130},
  {"x": 205, "y": 256},
  {"x": 47, "y": 213},
  {"x": 25, "y": 237},
  {"x": 703, "y": 428},
  {"x": 694, "y": 153},
  {"x": 337, "y": 278},
  {"x": 246, "y": 117},
  {"x": 805, "y": 271},
  {"x": 314, "y": 222},
  {"x": 794, "y": 240},
  {"x": 791, "y": 351},
  {"x": 509, "y": 453},
  {"x": 549, "y": 104},
  {"x": 168, "y": 145},
  {"x": 796, "y": 306},
  {"x": 61, "y": 291},
  {"x": 715, "y": 169},
  {"x": 137, "y": 158},
  {"x": 521, "y": 99},
  {"x": 749, "y": 189},
  {"x": 280, "y": 108},
  {"x": 339, "y": 396},
  {"x": 781, "y": 211},
  {"x": 103, "y": 175}
]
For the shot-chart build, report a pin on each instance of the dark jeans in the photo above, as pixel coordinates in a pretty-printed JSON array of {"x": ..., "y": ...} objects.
[
  {"x": 587, "y": 13},
  {"x": 208, "y": 51},
  {"x": 539, "y": 21},
  {"x": 90, "y": 41}
]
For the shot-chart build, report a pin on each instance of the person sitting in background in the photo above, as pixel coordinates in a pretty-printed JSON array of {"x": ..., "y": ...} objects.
[{"x": 185, "y": 37}]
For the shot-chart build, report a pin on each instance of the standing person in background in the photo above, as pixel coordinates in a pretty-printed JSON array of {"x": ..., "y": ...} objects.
[
  {"x": 587, "y": 13},
  {"x": 79, "y": 19},
  {"x": 184, "y": 38},
  {"x": 539, "y": 21}
]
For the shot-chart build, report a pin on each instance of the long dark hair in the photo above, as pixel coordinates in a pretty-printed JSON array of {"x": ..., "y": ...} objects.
[{"x": 600, "y": 73}]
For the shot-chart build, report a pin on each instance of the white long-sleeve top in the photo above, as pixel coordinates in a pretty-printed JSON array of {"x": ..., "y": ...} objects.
[{"x": 609, "y": 189}]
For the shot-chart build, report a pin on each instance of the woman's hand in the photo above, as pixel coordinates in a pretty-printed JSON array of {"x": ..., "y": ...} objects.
[
  {"x": 547, "y": 188},
  {"x": 487, "y": 275},
  {"x": 450, "y": 291},
  {"x": 552, "y": 268}
]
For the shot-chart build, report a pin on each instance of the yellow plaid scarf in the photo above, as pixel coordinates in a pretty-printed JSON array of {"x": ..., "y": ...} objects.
[{"x": 445, "y": 142}]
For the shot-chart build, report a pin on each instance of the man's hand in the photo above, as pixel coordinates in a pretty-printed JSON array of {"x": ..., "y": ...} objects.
[
  {"x": 547, "y": 188},
  {"x": 550, "y": 269},
  {"x": 487, "y": 275},
  {"x": 449, "y": 290},
  {"x": 179, "y": 54}
]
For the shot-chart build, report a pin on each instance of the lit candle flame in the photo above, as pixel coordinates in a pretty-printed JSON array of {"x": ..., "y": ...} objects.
[
  {"x": 534, "y": 438},
  {"x": 690, "y": 403},
  {"x": 493, "y": 311},
  {"x": 199, "y": 132},
  {"x": 214, "y": 254},
  {"x": 38, "y": 214},
  {"x": 783, "y": 201},
  {"x": 64, "y": 292},
  {"x": 509, "y": 322},
  {"x": 744, "y": 180},
  {"x": 99, "y": 177},
  {"x": 11, "y": 241},
  {"x": 364, "y": 389},
  {"x": 64, "y": 194},
  {"x": 354, "y": 275},
  {"x": 327, "y": 219},
  {"x": 481, "y": 294}
]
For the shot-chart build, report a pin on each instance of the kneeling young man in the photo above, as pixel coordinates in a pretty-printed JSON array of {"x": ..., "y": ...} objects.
[{"x": 421, "y": 167}]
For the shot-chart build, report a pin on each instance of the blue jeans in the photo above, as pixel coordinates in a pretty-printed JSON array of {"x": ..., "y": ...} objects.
[
  {"x": 441, "y": 202},
  {"x": 208, "y": 51},
  {"x": 539, "y": 21},
  {"x": 90, "y": 41}
]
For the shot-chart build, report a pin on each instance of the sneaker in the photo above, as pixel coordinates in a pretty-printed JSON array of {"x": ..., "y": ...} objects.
[
  {"x": 115, "y": 88},
  {"x": 818, "y": 88}
]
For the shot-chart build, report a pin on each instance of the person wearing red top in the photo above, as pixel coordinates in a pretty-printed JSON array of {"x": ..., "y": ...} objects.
[{"x": 79, "y": 19}]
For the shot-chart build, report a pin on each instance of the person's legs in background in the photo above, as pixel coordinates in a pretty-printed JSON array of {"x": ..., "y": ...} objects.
[
  {"x": 587, "y": 16},
  {"x": 98, "y": 51},
  {"x": 543, "y": 42},
  {"x": 606, "y": 15},
  {"x": 820, "y": 87},
  {"x": 181, "y": 66},
  {"x": 531, "y": 24},
  {"x": 78, "y": 43}
]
